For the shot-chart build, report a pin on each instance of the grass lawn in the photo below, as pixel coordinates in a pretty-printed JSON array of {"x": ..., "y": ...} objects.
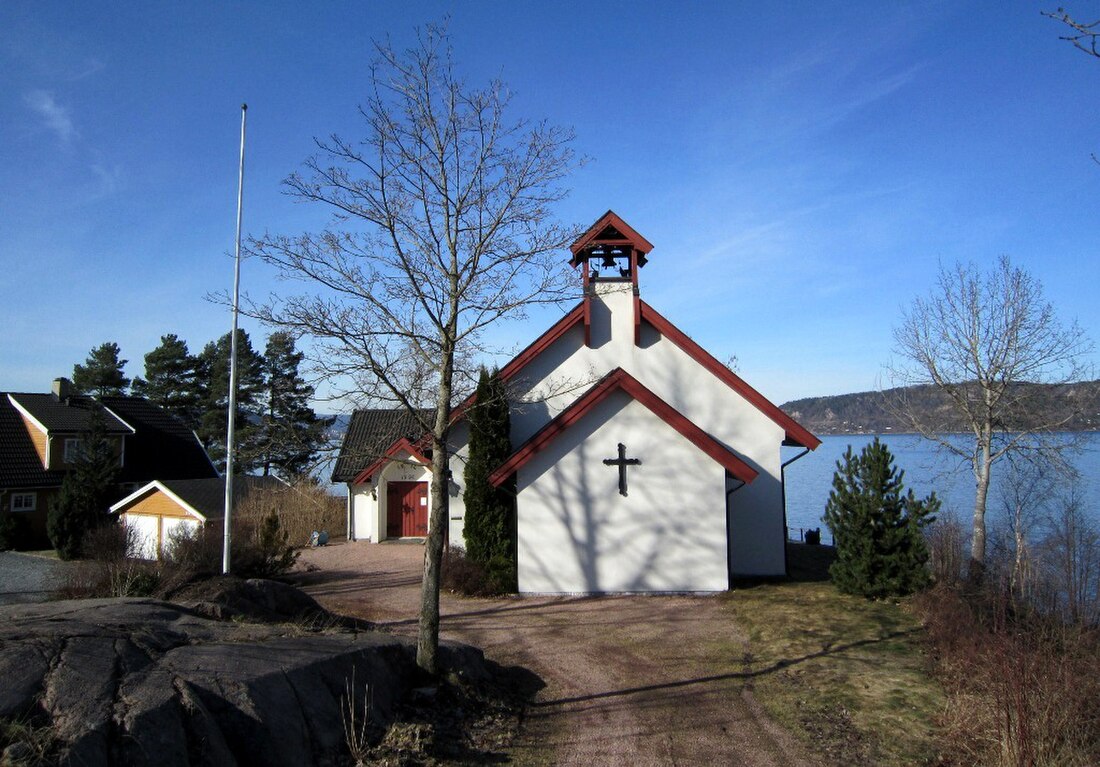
[{"x": 846, "y": 674}]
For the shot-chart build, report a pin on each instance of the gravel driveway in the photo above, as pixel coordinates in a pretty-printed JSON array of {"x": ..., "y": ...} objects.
[
  {"x": 632, "y": 680},
  {"x": 29, "y": 578}
]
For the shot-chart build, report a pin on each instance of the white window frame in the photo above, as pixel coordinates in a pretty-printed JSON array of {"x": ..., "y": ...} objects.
[
  {"x": 24, "y": 503},
  {"x": 73, "y": 446}
]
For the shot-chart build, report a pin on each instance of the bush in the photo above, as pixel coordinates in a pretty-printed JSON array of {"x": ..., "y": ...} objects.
[
  {"x": 302, "y": 508},
  {"x": 1023, "y": 689},
  {"x": 258, "y": 550},
  {"x": 877, "y": 530},
  {"x": 13, "y": 531},
  {"x": 462, "y": 575}
]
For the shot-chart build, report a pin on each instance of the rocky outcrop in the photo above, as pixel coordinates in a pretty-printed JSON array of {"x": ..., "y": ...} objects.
[{"x": 145, "y": 682}]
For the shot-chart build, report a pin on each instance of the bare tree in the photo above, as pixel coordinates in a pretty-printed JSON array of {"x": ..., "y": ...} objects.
[
  {"x": 1084, "y": 36},
  {"x": 441, "y": 226},
  {"x": 984, "y": 340}
]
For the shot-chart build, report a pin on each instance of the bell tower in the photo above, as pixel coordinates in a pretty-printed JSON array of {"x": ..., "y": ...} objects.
[{"x": 609, "y": 254}]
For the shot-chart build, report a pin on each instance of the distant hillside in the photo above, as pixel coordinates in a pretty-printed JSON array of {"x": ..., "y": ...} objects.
[{"x": 876, "y": 412}]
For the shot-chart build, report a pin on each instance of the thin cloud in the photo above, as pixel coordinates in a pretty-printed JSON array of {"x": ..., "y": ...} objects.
[
  {"x": 55, "y": 117},
  {"x": 91, "y": 66}
]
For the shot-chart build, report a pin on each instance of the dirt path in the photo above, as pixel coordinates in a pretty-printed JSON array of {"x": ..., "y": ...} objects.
[{"x": 630, "y": 680}]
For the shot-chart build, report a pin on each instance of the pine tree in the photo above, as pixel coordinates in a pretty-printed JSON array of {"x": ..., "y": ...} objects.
[
  {"x": 170, "y": 381},
  {"x": 877, "y": 527},
  {"x": 87, "y": 491},
  {"x": 489, "y": 528},
  {"x": 290, "y": 432},
  {"x": 214, "y": 364},
  {"x": 101, "y": 374}
]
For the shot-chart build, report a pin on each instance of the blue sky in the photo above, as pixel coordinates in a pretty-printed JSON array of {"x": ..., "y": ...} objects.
[{"x": 801, "y": 172}]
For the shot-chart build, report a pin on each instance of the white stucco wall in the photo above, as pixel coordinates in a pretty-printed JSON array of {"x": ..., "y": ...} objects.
[
  {"x": 568, "y": 368},
  {"x": 577, "y": 534}
]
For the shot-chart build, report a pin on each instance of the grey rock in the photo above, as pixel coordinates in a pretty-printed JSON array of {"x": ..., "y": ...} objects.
[{"x": 144, "y": 682}]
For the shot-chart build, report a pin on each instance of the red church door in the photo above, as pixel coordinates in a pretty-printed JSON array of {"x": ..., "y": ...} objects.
[{"x": 406, "y": 509}]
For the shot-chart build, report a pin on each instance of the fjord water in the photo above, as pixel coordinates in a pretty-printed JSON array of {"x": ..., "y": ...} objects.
[{"x": 927, "y": 467}]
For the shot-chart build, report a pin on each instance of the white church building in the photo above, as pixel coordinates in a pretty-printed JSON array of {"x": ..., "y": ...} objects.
[{"x": 641, "y": 462}]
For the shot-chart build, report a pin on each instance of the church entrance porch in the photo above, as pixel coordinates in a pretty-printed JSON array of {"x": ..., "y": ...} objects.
[{"x": 406, "y": 509}]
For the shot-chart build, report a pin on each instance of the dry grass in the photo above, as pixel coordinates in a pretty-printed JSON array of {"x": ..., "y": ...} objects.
[
  {"x": 847, "y": 674},
  {"x": 302, "y": 508},
  {"x": 1022, "y": 689}
]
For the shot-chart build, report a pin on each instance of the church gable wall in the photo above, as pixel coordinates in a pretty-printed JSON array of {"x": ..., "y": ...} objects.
[{"x": 578, "y": 534}]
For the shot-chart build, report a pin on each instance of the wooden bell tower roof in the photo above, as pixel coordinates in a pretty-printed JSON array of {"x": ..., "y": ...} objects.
[{"x": 610, "y": 230}]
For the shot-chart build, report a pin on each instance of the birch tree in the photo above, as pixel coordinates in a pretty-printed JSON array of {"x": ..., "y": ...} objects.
[
  {"x": 984, "y": 340},
  {"x": 441, "y": 226}
]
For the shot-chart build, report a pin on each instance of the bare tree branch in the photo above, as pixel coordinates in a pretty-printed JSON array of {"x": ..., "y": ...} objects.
[
  {"x": 985, "y": 340},
  {"x": 1084, "y": 36},
  {"x": 441, "y": 225}
]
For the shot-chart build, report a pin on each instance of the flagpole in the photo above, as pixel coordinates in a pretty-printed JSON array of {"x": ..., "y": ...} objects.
[{"x": 231, "y": 420}]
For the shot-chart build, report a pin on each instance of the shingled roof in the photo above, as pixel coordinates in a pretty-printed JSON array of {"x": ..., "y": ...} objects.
[
  {"x": 206, "y": 496},
  {"x": 20, "y": 465},
  {"x": 162, "y": 447},
  {"x": 157, "y": 444},
  {"x": 369, "y": 434},
  {"x": 71, "y": 415}
]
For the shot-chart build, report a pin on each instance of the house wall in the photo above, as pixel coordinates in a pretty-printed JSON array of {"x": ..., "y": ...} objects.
[
  {"x": 158, "y": 504},
  {"x": 37, "y": 437},
  {"x": 33, "y": 523},
  {"x": 577, "y": 534},
  {"x": 567, "y": 368}
]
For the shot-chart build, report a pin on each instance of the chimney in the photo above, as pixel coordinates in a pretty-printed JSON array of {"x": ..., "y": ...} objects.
[{"x": 62, "y": 388}]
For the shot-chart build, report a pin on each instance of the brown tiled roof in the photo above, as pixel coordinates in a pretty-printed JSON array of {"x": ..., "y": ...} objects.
[{"x": 369, "y": 434}]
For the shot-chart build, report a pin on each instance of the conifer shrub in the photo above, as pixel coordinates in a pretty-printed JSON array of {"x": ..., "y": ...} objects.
[
  {"x": 13, "y": 531},
  {"x": 86, "y": 492},
  {"x": 459, "y": 574},
  {"x": 877, "y": 527},
  {"x": 489, "y": 529}
]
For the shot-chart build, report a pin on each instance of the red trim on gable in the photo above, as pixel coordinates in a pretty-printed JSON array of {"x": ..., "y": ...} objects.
[
  {"x": 577, "y": 314},
  {"x": 609, "y": 219},
  {"x": 402, "y": 444},
  {"x": 616, "y": 380},
  {"x": 795, "y": 432},
  {"x": 556, "y": 331}
]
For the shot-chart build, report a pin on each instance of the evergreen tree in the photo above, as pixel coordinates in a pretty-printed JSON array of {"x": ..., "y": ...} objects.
[
  {"x": 290, "y": 432},
  {"x": 876, "y": 526},
  {"x": 214, "y": 364},
  {"x": 489, "y": 528},
  {"x": 170, "y": 381},
  {"x": 87, "y": 491},
  {"x": 101, "y": 374}
]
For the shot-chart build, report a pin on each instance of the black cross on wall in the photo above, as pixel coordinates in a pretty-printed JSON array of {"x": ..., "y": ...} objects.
[{"x": 622, "y": 462}]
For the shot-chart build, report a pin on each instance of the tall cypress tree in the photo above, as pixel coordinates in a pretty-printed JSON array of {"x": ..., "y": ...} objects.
[
  {"x": 87, "y": 490},
  {"x": 214, "y": 362},
  {"x": 490, "y": 524},
  {"x": 101, "y": 374},
  {"x": 171, "y": 379},
  {"x": 290, "y": 432},
  {"x": 876, "y": 526}
]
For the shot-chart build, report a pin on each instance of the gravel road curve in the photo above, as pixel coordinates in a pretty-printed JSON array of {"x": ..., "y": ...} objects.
[
  {"x": 29, "y": 578},
  {"x": 630, "y": 680}
]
